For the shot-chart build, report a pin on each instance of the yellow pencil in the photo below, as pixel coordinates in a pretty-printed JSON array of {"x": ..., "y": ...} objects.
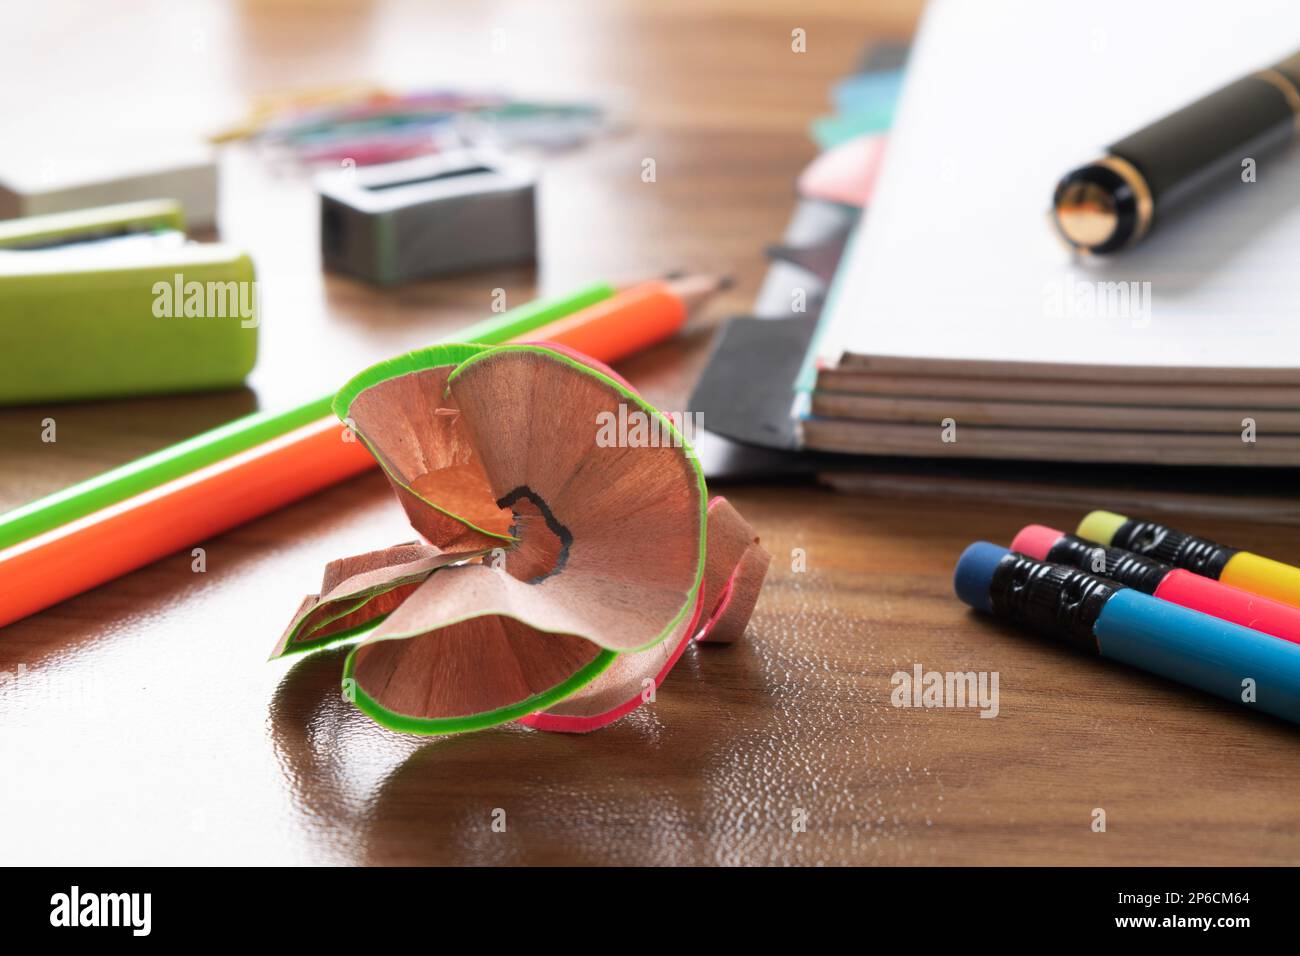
[{"x": 1236, "y": 568}]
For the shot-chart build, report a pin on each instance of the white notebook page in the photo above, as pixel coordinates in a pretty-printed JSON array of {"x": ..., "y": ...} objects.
[{"x": 956, "y": 259}]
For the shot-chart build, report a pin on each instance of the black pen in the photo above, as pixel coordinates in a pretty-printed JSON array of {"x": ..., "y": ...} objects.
[{"x": 1116, "y": 201}]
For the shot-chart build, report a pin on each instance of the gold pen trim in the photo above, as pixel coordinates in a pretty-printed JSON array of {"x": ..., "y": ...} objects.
[
  {"x": 1287, "y": 87},
  {"x": 1146, "y": 206}
]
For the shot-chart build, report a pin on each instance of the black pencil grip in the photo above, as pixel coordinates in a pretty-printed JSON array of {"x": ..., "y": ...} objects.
[
  {"x": 1052, "y": 599},
  {"x": 1132, "y": 570},
  {"x": 1163, "y": 543}
]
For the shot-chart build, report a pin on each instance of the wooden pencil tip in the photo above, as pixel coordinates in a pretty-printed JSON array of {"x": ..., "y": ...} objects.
[{"x": 695, "y": 290}]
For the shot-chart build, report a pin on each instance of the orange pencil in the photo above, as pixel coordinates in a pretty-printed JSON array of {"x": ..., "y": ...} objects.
[
  {"x": 106, "y": 544},
  {"x": 87, "y": 552},
  {"x": 633, "y": 319}
]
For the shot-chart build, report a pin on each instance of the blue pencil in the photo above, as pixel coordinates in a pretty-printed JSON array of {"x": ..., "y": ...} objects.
[{"x": 1105, "y": 618}]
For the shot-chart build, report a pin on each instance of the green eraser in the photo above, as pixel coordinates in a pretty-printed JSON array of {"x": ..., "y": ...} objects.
[{"x": 115, "y": 301}]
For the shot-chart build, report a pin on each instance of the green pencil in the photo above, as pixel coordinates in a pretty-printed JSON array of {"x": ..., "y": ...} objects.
[{"x": 185, "y": 457}]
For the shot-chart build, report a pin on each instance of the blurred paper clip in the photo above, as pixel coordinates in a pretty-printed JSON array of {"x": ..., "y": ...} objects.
[{"x": 364, "y": 125}]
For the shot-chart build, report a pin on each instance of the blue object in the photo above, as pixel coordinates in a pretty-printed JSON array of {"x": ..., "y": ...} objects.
[
  {"x": 974, "y": 573},
  {"x": 831, "y": 131},
  {"x": 1225, "y": 659},
  {"x": 864, "y": 103},
  {"x": 864, "y": 92},
  {"x": 1201, "y": 651}
]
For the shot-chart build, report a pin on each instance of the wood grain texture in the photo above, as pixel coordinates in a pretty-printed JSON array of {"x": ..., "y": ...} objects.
[{"x": 142, "y": 723}]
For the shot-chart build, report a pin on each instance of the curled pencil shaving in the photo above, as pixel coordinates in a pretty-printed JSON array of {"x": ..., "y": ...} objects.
[{"x": 563, "y": 576}]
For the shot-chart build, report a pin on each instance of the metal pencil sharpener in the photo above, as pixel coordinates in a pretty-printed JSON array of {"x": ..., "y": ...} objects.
[{"x": 431, "y": 216}]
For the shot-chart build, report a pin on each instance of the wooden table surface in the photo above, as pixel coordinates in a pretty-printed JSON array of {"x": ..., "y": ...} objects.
[{"x": 144, "y": 725}]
